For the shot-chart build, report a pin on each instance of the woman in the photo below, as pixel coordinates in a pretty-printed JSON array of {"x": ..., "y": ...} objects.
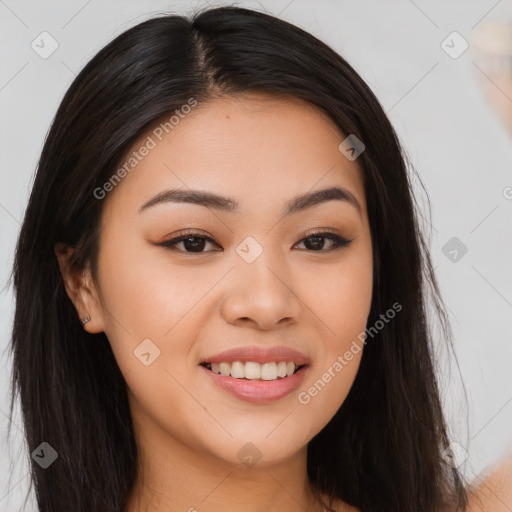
[{"x": 220, "y": 285}]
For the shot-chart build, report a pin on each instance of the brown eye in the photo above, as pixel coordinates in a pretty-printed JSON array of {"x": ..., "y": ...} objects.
[
  {"x": 196, "y": 243},
  {"x": 193, "y": 243},
  {"x": 317, "y": 241}
]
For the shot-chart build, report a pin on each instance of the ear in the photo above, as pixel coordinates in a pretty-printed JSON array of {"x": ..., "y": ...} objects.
[{"x": 81, "y": 290}]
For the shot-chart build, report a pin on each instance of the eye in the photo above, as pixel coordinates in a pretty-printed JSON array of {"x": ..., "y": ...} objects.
[
  {"x": 319, "y": 241},
  {"x": 195, "y": 242}
]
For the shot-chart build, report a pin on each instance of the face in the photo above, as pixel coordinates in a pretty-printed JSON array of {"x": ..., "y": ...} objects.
[{"x": 266, "y": 271}]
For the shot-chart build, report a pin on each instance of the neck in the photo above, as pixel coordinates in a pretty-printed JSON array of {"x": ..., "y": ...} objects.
[{"x": 176, "y": 476}]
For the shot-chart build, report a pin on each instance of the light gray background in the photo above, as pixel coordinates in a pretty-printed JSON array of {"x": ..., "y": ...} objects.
[{"x": 457, "y": 145}]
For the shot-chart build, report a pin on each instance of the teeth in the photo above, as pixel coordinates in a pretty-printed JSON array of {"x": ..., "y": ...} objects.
[
  {"x": 253, "y": 370},
  {"x": 269, "y": 371},
  {"x": 281, "y": 368},
  {"x": 225, "y": 369},
  {"x": 238, "y": 370}
]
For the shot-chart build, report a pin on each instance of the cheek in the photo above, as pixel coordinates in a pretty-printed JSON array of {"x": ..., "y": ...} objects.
[
  {"x": 141, "y": 291},
  {"x": 132, "y": 289},
  {"x": 331, "y": 379},
  {"x": 341, "y": 300},
  {"x": 147, "y": 297},
  {"x": 340, "y": 295}
]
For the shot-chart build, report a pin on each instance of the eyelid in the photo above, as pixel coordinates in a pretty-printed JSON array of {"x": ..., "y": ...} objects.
[{"x": 328, "y": 233}]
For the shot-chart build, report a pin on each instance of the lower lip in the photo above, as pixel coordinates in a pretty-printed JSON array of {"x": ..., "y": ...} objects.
[{"x": 258, "y": 391}]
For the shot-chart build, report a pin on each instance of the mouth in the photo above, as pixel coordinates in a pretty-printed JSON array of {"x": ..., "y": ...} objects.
[
  {"x": 260, "y": 375},
  {"x": 254, "y": 371},
  {"x": 253, "y": 382}
]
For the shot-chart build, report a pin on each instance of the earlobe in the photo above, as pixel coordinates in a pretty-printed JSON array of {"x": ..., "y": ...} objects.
[
  {"x": 91, "y": 316},
  {"x": 80, "y": 290}
]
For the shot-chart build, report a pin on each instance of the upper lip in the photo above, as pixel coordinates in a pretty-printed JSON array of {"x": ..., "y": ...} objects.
[{"x": 259, "y": 355}]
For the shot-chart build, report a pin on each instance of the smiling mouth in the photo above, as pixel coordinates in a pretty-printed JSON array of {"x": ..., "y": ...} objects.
[{"x": 253, "y": 371}]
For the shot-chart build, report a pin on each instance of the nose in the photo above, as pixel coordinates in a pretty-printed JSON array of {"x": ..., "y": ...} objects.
[{"x": 261, "y": 294}]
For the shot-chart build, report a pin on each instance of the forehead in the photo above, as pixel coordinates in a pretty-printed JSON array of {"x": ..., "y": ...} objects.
[{"x": 254, "y": 147}]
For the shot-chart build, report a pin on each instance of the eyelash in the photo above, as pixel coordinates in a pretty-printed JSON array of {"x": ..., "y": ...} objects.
[{"x": 339, "y": 242}]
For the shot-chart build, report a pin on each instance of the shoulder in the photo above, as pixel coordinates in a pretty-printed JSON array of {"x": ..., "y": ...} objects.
[
  {"x": 492, "y": 490},
  {"x": 339, "y": 506}
]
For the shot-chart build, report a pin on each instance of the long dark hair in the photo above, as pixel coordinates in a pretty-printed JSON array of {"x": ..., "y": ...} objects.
[{"x": 383, "y": 450}]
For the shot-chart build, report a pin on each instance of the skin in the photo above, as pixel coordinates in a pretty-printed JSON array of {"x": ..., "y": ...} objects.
[
  {"x": 316, "y": 299},
  {"x": 262, "y": 152},
  {"x": 492, "y": 490}
]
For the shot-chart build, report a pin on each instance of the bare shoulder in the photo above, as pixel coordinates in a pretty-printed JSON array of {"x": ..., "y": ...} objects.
[
  {"x": 492, "y": 490},
  {"x": 340, "y": 506},
  {"x": 489, "y": 492}
]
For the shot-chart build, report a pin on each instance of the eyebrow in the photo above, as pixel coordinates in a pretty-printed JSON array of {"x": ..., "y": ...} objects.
[{"x": 229, "y": 205}]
